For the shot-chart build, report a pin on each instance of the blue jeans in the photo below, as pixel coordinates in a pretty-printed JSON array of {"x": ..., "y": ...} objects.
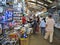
[{"x": 43, "y": 31}]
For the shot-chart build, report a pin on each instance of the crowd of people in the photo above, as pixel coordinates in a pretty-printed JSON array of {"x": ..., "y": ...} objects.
[{"x": 44, "y": 25}]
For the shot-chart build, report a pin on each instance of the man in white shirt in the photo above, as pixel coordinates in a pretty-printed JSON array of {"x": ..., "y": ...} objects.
[{"x": 49, "y": 28}]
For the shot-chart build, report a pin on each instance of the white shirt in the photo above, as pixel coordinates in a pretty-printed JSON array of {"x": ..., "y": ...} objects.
[
  {"x": 50, "y": 24},
  {"x": 42, "y": 24}
]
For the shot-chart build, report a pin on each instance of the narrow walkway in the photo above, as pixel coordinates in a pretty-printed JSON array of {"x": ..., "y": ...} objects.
[{"x": 39, "y": 40}]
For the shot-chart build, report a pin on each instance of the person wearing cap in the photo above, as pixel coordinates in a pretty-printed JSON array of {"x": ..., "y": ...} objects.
[{"x": 49, "y": 28}]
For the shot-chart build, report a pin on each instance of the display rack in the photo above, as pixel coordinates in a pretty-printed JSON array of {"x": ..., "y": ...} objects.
[
  {"x": 9, "y": 15},
  {"x": 17, "y": 16},
  {"x": 1, "y": 14}
]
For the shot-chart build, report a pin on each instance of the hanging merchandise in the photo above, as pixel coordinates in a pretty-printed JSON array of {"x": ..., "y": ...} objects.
[
  {"x": 1, "y": 9},
  {"x": 4, "y": 2},
  {"x": 0, "y": 29},
  {"x": 8, "y": 15},
  {"x": 3, "y": 17},
  {"x": 19, "y": 7},
  {"x": 10, "y": 24},
  {"x": 23, "y": 6},
  {"x": 13, "y": 22},
  {"x": 15, "y": 1}
]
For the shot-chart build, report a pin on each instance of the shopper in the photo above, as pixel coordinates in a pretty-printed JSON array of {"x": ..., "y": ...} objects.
[
  {"x": 34, "y": 25},
  {"x": 38, "y": 22},
  {"x": 49, "y": 28},
  {"x": 23, "y": 20},
  {"x": 43, "y": 26},
  {"x": 30, "y": 20}
]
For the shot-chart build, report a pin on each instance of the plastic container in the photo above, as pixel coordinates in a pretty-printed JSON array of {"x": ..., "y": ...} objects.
[{"x": 23, "y": 41}]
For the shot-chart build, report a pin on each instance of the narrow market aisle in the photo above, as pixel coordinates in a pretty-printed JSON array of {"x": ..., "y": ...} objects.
[{"x": 38, "y": 40}]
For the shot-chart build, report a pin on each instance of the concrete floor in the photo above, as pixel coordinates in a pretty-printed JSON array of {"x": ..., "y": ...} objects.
[{"x": 39, "y": 40}]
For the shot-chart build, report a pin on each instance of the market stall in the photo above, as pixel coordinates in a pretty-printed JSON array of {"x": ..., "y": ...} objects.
[{"x": 12, "y": 31}]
